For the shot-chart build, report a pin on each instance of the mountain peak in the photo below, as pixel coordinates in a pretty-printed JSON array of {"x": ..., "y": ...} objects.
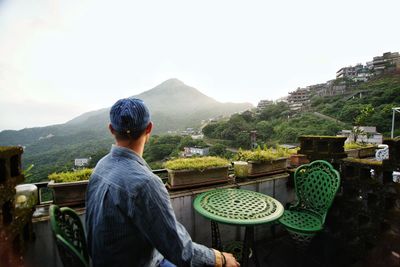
[{"x": 172, "y": 82}]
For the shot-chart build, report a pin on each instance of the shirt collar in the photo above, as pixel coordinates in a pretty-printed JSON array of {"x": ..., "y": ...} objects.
[{"x": 120, "y": 151}]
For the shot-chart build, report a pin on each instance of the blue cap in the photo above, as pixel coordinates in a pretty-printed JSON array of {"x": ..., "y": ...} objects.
[{"x": 129, "y": 115}]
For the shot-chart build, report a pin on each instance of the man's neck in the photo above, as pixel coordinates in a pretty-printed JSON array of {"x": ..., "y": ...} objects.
[{"x": 137, "y": 145}]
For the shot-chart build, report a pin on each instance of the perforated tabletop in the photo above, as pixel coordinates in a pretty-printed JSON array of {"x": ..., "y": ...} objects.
[{"x": 238, "y": 206}]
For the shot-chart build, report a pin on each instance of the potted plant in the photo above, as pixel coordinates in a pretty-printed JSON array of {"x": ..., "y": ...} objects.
[
  {"x": 359, "y": 150},
  {"x": 298, "y": 159},
  {"x": 189, "y": 172},
  {"x": 264, "y": 161},
  {"x": 69, "y": 187}
]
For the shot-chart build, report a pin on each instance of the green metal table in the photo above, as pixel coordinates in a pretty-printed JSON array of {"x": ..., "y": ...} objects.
[{"x": 238, "y": 207}]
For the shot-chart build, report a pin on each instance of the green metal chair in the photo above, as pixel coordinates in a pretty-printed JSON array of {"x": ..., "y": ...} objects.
[
  {"x": 70, "y": 236},
  {"x": 316, "y": 185}
]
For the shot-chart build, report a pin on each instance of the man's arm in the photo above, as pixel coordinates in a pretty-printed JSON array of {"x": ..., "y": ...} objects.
[{"x": 155, "y": 217}]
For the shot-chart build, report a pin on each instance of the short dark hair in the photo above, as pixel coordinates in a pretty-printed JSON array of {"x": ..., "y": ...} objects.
[{"x": 123, "y": 136}]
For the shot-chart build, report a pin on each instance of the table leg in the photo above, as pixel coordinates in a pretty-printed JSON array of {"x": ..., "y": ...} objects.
[
  {"x": 215, "y": 236},
  {"x": 247, "y": 245}
]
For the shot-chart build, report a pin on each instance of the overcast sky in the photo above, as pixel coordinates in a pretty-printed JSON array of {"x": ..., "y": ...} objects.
[{"x": 60, "y": 58}]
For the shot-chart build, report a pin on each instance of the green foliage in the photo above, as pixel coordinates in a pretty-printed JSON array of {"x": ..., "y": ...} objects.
[
  {"x": 272, "y": 125},
  {"x": 58, "y": 153},
  {"x": 198, "y": 163},
  {"x": 379, "y": 95},
  {"x": 306, "y": 124},
  {"x": 188, "y": 141},
  {"x": 274, "y": 111},
  {"x": 265, "y": 154},
  {"x": 218, "y": 150},
  {"x": 27, "y": 171},
  {"x": 74, "y": 176},
  {"x": 365, "y": 112},
  {"x": 161, "y": 147}
]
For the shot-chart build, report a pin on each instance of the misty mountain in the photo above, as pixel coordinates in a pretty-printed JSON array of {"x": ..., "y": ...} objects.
[{"x": 173, "y": 106}]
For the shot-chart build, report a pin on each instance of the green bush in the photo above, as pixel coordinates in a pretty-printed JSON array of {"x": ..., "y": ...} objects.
[
  {"x": 266, "y": 154},
  {"x": 199, "y": 163},
  {"x": 63, "y": 177}
]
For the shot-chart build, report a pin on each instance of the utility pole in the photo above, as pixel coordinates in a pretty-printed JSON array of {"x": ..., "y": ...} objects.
[{"x": 394, "y": 114}]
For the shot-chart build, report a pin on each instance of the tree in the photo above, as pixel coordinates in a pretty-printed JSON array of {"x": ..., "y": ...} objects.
[
  {"x": 365, "y": 112},
  {"x": 243, "y": 140},
  {"x": 265, "y": 130},
  {"x": 218, "y": 150}
]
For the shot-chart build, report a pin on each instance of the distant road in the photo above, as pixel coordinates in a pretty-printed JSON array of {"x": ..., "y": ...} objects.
[{"x": 211, "y": 142}]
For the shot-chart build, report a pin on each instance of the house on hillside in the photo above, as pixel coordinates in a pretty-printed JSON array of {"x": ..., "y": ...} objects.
[
  {"x": 388, "y": 62},
  {"x": 298, "y": 99},
  {"x": 369, "y": 135},
  {"x": 263, "y": 104},
  {"x": 199, "y": 151},
  {"x": 82, "y": 162},
  {"x": 357, "y": 73}
]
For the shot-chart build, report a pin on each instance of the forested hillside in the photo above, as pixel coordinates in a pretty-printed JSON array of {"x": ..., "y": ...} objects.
[
  {"x": 277, "y": 124},
  {"x": 382, "y": 94}
]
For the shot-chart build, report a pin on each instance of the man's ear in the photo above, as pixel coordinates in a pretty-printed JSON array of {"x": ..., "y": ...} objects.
[
  {"x": 149, "y": 128},
  {"x": 111, "y": 129}
]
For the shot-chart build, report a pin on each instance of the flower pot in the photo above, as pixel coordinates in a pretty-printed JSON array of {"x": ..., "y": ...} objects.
[
  {"x": 298, "y": 159},
  {"x": 257, "y": 168},
  {"x": 241, "y": 169},
  {"x": 69, "y": 194},
  {"x": 191, "y": 178}
]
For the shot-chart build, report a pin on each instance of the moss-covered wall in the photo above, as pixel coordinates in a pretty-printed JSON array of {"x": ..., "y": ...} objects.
[{"x": 14, "y": 225}]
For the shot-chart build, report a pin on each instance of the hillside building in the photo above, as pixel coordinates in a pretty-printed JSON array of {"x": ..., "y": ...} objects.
[
  {"x": 388, "y": 62},
  {"x": 192, "y": 151},
  {"x": 298, "y": 99},
  {"x": 264, "y": 103},
  {"x": 82, "y": 162},
  {"x": 357, "y": 73}
]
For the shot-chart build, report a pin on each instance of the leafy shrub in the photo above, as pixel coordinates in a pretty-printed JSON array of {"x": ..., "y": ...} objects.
[
  {"x": 265, "y": 154},
  {"x": 63, "y": 177},
  {"x": 199, "y": 163}
]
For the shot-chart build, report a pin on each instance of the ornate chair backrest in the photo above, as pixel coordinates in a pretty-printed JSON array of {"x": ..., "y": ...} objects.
[
  {"x": 316, "y": 185},
  {"x": 70, "y": 235}
]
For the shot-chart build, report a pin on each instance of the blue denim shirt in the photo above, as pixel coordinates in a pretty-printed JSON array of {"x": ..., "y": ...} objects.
[{"x": 130, "y": 220}]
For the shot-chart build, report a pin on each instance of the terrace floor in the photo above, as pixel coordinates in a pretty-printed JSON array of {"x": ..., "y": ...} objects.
[
  {"x": 282, "y": 252},
  {"x": 324, "y": 251}
]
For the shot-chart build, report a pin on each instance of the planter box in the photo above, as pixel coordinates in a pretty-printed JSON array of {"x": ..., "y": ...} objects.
[
  {"x": 365, "y": 152},
  {"x": 298, "y": 159},
  {"x": 69, "y": 194},
  {"x": 268, "y": 167},
  {"x": 322, "y": 147},
  {"x": 191, "y": 178}
]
